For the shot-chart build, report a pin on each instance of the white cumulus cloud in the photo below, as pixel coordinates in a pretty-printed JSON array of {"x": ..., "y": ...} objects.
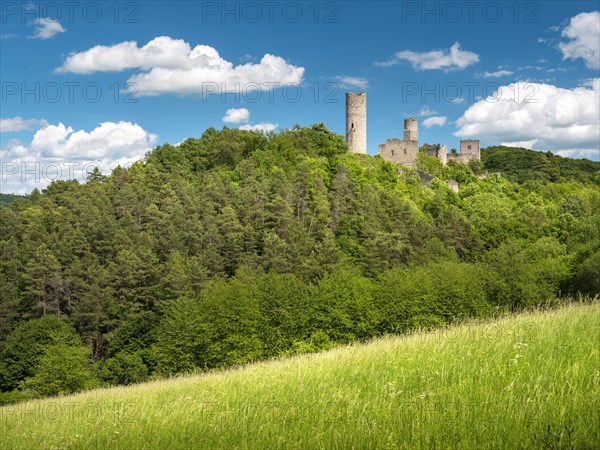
[
  {"x": 263, "y": 126},
  {"x": 172, "y": 66},
  {"x": 520, "y": 144},
  {"x": 426, "y": 111},
  {"x": 348, "y": 82},
  {"x": 60, "y": 152},
  {"x": 46, "y": 28},
  {"x": 540, "y": 116},
  {"x": 237, "y": 115},
  {"x": 16, "y": 124},
  {"x": 593, "y": 154},
  {"x": 436, "y": 120},
  {"x": 108, "y": 140},
  {"x": 583, "y": 33},
  {"x": 453, "y": 59}
]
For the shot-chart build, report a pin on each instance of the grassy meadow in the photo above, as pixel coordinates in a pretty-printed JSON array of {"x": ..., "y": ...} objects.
[{"x": 526, "y": 381}]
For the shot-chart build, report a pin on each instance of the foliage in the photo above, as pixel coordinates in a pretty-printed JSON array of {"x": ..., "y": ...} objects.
[
  {"x": 27, "y": 344},
  {"x": 123, "y": 368},
  {"x": 520, "y": 165},
  {"x": 431, "y": 295},
  {"x": 64, "y": 368},
  {"x": 7, "y": 199},
  {"x": 429, "y": 164}
]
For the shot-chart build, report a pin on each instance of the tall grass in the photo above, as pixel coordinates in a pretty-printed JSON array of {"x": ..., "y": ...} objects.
[{"x": 529, "y": 381}]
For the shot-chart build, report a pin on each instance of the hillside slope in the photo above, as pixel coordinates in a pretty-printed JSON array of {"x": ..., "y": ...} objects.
[
  {"x": 520, "y": 165},
  {"x": 528, "y": 381},
  {"x": 238, "y": 246}
]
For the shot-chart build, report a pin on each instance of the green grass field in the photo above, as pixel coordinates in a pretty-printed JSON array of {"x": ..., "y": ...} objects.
[{"x": 529, "y": 381}]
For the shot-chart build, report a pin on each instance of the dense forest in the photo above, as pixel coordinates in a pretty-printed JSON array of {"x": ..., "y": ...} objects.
[
  {"x": 6, "y": 199},
  {"x": 521, "y": 165},
  {"x": 239, "y": 246}
]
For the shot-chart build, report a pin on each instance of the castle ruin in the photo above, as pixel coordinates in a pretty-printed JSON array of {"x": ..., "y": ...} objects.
[
  {"x": 401, "y": 151},
  {"x": 469, "y": 150},
  {"x": 437, "y": 151}
]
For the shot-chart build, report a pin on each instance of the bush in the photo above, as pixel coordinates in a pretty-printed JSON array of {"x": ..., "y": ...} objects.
[
  {"x": 13, "y": 396},
  {"x": 343, "y": 308},
  {"x": 430, "y": 295},
  {"x": 136, "y": 335},
  {"x": 587, "y": 277},
  {"x": 318, "y": 341},
  {"x": 62, "y": 369},
  {"x": 123, "y": 368},
  {"x": 283, "y": 302},
  {"x": 26, "y": 344},
  {"x": 219, "y": 329},
  {"x": 527, "y": 274},
  {"x": 180, "y": 337}
]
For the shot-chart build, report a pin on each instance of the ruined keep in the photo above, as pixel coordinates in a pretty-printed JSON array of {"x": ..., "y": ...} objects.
[
  {"x": 403, "y": 151},
  {"x": 356, "y": 122}
]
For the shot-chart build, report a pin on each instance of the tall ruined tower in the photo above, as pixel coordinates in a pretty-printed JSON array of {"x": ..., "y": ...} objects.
[
  {"x": 356, "y": 122},
  {"x": 411, "y": 129}
]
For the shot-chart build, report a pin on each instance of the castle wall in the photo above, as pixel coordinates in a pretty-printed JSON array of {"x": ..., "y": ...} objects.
[
  {"x": 356, "y": 122},
  {"x": 403, "y": 151},
  {"x": 400, "y": 151},
  {"x": 459, "y": 158},
  {"x": 443, "y": 154},
  {"x": 437, "y": 151}
]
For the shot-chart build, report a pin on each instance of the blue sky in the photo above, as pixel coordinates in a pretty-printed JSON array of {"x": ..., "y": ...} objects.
[{"x": 438, "y": 61}]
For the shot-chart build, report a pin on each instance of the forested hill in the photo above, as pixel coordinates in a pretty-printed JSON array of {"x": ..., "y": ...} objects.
[
  {"x": 239, "y": 246},
  {"x": 520, "y": 165},
  {"x": 6, "y": 199}
]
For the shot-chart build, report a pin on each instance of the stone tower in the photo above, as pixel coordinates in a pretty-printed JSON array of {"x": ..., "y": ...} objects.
[
  {"x": 356, "y": 122},
  {"x": 470, "y": 149},
  {"x": 411, "y": 129}
]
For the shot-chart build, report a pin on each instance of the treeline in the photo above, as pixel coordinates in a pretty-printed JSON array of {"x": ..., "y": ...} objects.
[
  {"x": 521, "y": 165},
  {"x": 6, "y": 199},
  {"x": 237, "y": 246}
]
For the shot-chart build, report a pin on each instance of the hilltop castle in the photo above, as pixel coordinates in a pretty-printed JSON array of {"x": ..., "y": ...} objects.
[{"x": 401, "y": 151}]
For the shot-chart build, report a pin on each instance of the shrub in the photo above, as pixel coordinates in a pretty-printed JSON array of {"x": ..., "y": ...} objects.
[
  {"x": 62, "y": 369},
  {"x": 430, "y": 295},
  {"x": 26, "y": 344},
  {"x": 123, "y": 368},
  {"x": 343, "y": 307},
  {"x": 283, "y": 302},
  {"x": 219, "y": 329}
]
